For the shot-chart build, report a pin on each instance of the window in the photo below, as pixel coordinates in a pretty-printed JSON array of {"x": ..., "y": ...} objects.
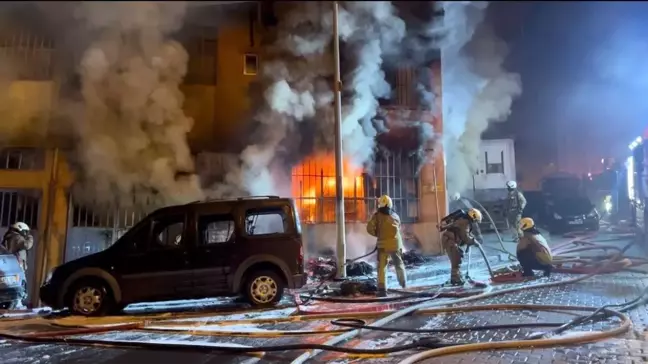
[
  {"x": 22, "y": 159},
  {"x": 250, "y": 64},
  {"x": 29, "y": 54},
  {"x": 215, "y": 229},
  {"x": 265, "y": 222},
  {"x": 202, "y": 48},
  {"x": 494, "y": 168},
  {"x": 167, "y": 232},
  {"x": 394, "y": 174}
]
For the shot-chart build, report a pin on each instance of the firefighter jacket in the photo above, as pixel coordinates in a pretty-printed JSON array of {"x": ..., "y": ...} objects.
[
  {"x": 515, "y": 202},
  {"x": 459, "y": 232},
  {"x": 18, "y": 244},
  {"x": 538, "y": 244},
  {"x": 385, "y": 226}
]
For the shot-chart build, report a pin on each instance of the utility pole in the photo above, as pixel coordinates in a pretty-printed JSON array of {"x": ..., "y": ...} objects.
[{"x": 339, "y": 170}]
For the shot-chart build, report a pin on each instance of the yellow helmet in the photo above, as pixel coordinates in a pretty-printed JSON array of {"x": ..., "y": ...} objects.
[
  {"x": 385, "y": 201},
  {"x": 526, "y": 223},
  {"x": 475, "y": 215}
]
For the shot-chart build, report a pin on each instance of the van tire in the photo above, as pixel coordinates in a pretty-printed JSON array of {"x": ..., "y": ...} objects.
[
  {"x": 263, "y": 288},
  {"x": 79, "y": 298}
]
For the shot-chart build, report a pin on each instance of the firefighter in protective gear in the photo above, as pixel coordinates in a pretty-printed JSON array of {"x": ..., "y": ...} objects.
[
  {"x": 457, "y": 235},
  {"x": 385, "y": 226},
  {"x": 458, "y": 202},
  {"x": 533, "y": 252},
  {"x": 18, "y": 240},
  {"x": 515, "y": 204}
]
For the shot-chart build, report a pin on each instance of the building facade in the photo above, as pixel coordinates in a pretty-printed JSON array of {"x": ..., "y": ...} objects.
[{"x": 36, "y": 179}]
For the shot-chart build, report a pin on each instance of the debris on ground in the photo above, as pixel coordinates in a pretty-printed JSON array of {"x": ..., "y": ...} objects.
[
  {"x": 413, "y": 258},
  {"x": 356, "y": 288},
  {"x": 356, "y": 269},
  {"x": 322, "y": 268}
]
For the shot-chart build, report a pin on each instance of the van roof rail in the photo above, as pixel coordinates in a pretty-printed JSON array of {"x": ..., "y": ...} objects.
[{"x": 234, "y": 199}]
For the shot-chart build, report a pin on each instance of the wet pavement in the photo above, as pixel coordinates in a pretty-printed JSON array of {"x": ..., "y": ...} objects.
[{"x": 210, "y": 329}]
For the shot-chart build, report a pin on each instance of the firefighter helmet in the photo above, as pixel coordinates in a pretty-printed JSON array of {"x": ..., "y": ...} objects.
[
  {"x": 20, "y": 227},
  {"x": 526, "y": 223},
  {"x": 511, "y": 185},
  {"x": 385, "y": 201},
  {"x": 475, "y": 215}
]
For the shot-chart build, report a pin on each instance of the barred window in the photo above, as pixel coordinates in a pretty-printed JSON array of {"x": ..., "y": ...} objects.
[
  {"x": 20, "y": 206},
  {"x": 395, "y": 175},
  {"x": 22, "y": 159},
  {"x": 29, "y": 55},
  {"x": 313, "y": 187},
  {"x": 120, "y": 219}
]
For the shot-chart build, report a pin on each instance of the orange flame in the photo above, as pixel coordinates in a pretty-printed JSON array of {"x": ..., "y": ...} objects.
[{"x": 313, "y": 185}]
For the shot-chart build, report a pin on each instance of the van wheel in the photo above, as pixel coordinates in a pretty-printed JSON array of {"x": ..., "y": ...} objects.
[
  {"x": 264, "y": 288},
  {"x": 90, "y": 297}
]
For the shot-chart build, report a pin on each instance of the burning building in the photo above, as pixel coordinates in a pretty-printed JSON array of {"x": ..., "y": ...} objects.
[{"x": 112, "y": 109}]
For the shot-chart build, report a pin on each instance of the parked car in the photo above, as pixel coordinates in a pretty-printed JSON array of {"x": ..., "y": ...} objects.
[
  {"x": 246, "y": 246},
  {"x": 573, "y": 213},
  {"x": 12, "y": 281}
]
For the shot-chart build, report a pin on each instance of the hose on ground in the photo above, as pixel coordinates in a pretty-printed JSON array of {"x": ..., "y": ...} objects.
[
  {"x": 428, "y": 342},
  {"x": 523, "y": 344},
  {"x": 406, "y": 311}
]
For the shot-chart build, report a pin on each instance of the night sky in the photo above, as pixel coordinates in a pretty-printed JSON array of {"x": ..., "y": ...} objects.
[{"x": 584, "y": 68}]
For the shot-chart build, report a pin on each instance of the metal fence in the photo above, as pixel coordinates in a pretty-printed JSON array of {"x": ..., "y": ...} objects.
[{"x": 394, "y": 175}]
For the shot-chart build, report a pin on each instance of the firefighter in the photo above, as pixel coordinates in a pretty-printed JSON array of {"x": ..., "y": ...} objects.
[
  {"x": 385, "y": 226},
  {"x": 457, "y": 234},
  {"x": 18, "y": 240},
  {"x": 533, "y": 252},
  {"x": 515, "y": 204},
  {"x": 458, "y": 202}
]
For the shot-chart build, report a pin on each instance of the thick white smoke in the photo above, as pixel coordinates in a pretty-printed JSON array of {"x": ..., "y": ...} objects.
[
  {"x": 476, "y": 88},
  {"x": 296, "y": 77},
  {"x": 132, "y": 136}
]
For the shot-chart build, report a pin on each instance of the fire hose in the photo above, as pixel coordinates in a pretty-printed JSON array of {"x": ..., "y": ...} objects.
[
  {"x": 430, "y": 342},
  {"x": 424, "y": 305}
]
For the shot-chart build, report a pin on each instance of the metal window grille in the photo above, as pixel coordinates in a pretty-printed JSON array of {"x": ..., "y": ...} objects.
[
  {"x": 203, "y": 52},
  {"x": 22, "y": 159},
  {"x": 112, "y": 219},
  {"x": 313, "y": 187},
  {"x": 29, "y": 55},
  {"x": 20, "y": 206},
  {"x": 395, "y": 175}
]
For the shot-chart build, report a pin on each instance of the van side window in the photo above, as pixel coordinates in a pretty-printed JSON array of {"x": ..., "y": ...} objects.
[
  {"x": 167, "y": 232},
  {"x": 215, "y": 229},
  {"x": 265, "y": 222}
]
